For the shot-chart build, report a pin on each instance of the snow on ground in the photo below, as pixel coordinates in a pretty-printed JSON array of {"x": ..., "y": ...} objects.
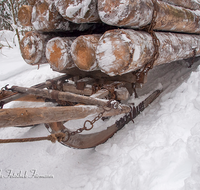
[{"x": 160, "y": 151}]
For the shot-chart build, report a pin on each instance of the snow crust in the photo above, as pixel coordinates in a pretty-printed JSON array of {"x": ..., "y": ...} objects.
[{"x": 160, "y": 151}]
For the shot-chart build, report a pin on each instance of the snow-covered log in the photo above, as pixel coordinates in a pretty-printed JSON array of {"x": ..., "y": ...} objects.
[
  {"x": 124, "y": 50},
  {"x": 189, "y": 4},
  {"x": 83, "y": 52},
  {"x": 46, "y": 18},
  {"x": 33, "y": 46},
  {"x": 25, "y": 15},
  {"x": 58, "y": 53},
  {"x": 139, "y": 13},
  {"x": 78, "y": 11}
]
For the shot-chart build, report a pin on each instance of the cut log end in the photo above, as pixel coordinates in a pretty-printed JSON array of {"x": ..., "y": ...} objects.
[
  {"x": 58, "y": 53},
  {"x": 113, "y": 53},
  {"x": 32, "y": 47},
  {"x": 24, "y": 15},
  {"x": 83, "y": 52}
]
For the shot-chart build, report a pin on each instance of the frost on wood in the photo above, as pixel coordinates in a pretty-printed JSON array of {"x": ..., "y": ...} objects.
[
  {"x": 138, "y": 13},
  {"x": 24, "y": 15},
  {"x": 78, "y": 11},
  {"x": 58, "y": 53},
  {"x": 121, "y": 51},
  {"x": 83, "y": 52},
  {"x": 32, "y": 48},
  {"x": 189, "y": 4}
]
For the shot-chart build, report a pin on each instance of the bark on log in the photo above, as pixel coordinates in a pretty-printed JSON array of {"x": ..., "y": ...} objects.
[
  {"x": 33, "y": 46},
  {"x": 138, "y": 13},
  {"x": 188, "y": 4},
  {"x": 83, "y": 52},
  {"x": 58, "y": 53},
  {"x": 79, "y": 11},
  {"x": 130, "y": 50},
  {"x": 32, "y": 116},
  {"x": 25, "y": 15}
]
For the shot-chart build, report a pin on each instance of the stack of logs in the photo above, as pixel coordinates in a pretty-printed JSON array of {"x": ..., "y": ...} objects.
[{"x": 109, "y": 36}]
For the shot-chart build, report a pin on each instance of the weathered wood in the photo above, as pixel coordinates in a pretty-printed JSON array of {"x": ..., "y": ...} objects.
[
  {"x": 25, "y": 15},
  {"x": 69, "y": 87},
  {"x": 64, "y": 96},
  {"x": 33, "y": 46},
  {"x": 139, "y": 13},
  {"x": 80, "y": 11},
  {"x": 58, "y": 53},
  {"x": 130, "y": 50},
  {"x": 16, "y": 96},
  {"x": 189, "y": 4},
  {"x": 100, "y": 94},
  {"x": 122, "y": 93},
  {"x": 32, "y": 116},
  {"x": 83, "y": 52}
]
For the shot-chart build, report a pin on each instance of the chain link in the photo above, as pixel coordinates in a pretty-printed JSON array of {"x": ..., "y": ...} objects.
[{"x": 156, "y": 43}]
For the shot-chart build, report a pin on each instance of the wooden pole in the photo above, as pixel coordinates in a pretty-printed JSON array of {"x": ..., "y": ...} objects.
[
  {"x": 33, "y": 46},
  {"x": 188, "y": 4},
  {"x": 139, "y": 13},
  {"x": 32, "y": 116},
  {"x": 83, "y": 52},
  {"x": 58, "y": 53},
  {"x": 130, "y": 50},
  {"x": 24, "y": 15},
  {"x": 57, "y": 95},
  {"x": 82, "y": 11}
]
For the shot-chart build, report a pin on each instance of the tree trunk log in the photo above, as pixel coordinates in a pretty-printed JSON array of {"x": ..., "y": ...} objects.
[
  {"x": 33, "y": 46},
  {"x": 79, "y": 11},
  {"x": 188, "y": 4},
  {"x": 138, "y": 13},
  {"x": 25, "y": 15},
  {"x": 32, "y": 116},
  {"x": 58, "y": 53},
  {"x": 83, "y": 52},
  {"x": 46, "y": 18},
  {"x": 130, "y": 50}
]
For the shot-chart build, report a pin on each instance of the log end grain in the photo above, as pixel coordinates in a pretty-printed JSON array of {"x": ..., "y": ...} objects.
[
  {"x": 24, "y": 15},
  {"x": 78, "y": 11},
  {"x": 113, "y": 53},
  {"x": 58, "y": 53},
  {"x": 83, "y": 52},
  {"x": 32, "y": 48},
  {"x": 45, "y": 17}
]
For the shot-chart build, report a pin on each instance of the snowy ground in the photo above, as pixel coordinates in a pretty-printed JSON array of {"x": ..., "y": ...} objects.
[{"x": 161, "y": 151}]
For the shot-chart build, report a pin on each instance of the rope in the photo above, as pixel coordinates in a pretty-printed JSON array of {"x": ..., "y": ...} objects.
[{"x": 53, "y": 138}]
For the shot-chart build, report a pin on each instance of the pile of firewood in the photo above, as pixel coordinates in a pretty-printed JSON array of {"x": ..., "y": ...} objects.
[{"x": 112, "y": 36}]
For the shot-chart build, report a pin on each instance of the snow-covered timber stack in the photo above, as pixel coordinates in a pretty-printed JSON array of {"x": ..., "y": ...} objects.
[
  {"x": 78, "y": 11},
  {"x": 58, "y": 53},
  {"x": 124, "y": 50},
  {"x": 83, "y": 52},
  {"x": 188, "y": 4},
  {"x": 139, "y": 13}
]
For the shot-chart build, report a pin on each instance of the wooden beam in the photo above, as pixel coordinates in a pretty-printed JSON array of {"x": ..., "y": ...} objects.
[{"x": 32, "y": 116}]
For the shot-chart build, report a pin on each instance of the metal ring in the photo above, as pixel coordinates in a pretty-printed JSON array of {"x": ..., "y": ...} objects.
[{"x": 87, "y": 129}]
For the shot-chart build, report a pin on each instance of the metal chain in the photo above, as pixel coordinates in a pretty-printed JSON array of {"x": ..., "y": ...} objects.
[
  {"x": 106, "y": 108},
  {"x": 156, "y": 43}
]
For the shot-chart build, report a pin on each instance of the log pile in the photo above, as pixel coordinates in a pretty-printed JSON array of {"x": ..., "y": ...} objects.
[{"x": 100, "y": 35}]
